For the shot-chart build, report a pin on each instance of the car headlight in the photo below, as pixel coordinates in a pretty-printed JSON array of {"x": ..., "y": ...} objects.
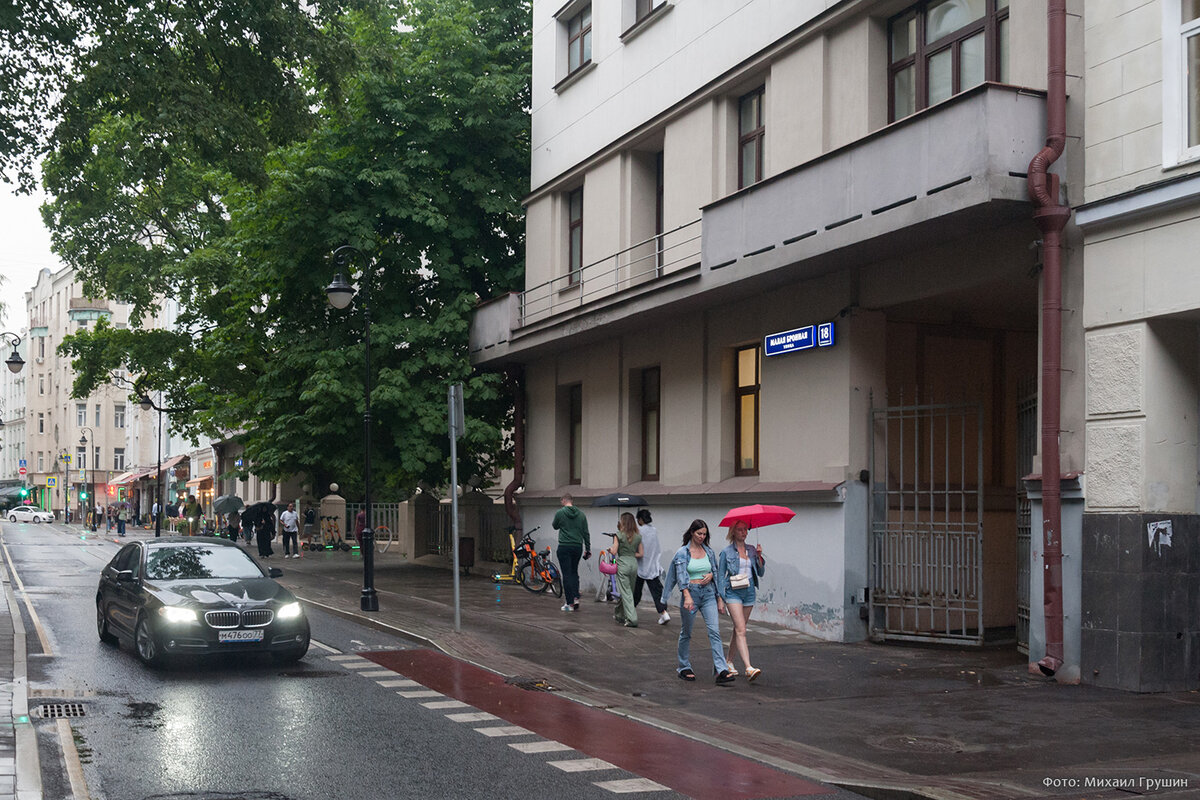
[
  {"x": 289, "y": 611},
  {"x": 178, "y": 615}
]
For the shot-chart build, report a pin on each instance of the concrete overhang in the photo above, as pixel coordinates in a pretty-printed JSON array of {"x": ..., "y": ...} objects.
[{"x": 944, "y": 174}]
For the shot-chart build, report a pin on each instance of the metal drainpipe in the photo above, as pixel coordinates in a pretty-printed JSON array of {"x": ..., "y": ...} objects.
[
  {"x": 1051, "y": 217},
  {"x": 516, "y": 376}
]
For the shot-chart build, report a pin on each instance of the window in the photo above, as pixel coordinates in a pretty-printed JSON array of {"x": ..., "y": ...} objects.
[
  {"x": 97, "y": 415},
  {"x": 750, "y": 138},
  {"x": 1181, "y": 81},
  {"x": 41, "y": 422},
  {"x": 119, "y": 415},
  {"x": 645, "y": 7},
  {"x": 575, "y": 236},
  {"x": 81, "y": 458},
  {"x": 96, "y": 455},
  {"x": 41, "y": 461},
  {"x": 119, "y": 458},
  {"x": 80, "y": 415},
  {"x": 41, "y": 384},
  {"x": 579, "y": 40},
  {"x": 748, "y": 362},
  {"x": 575, "y": 403},
  {"x": 650, "y": 423},
  {"x": 41, "y": 347},
  {"x": 941, "y": 47},
  {"x": 659, "y": 209}
]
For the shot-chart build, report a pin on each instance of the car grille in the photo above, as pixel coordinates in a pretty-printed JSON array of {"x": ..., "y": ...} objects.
[{"x": 253, "y": 618}]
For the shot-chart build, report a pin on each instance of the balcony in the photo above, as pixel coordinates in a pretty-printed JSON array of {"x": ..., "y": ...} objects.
[{"x": 943, "y": 174}]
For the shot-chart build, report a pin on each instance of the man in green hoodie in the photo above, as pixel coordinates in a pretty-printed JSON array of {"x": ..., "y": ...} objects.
[{"x": 574, "y": 542}]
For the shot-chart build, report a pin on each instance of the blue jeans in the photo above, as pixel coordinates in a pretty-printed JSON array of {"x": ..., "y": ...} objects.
[
  {"x": 705, "y": 600},
  {"x": 568, "y": 562}
]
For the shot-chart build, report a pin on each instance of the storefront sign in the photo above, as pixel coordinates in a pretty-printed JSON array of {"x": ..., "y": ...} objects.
[{"x": 805, "y": 338}]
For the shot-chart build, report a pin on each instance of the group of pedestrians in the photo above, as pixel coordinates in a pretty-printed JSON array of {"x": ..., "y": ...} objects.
[{"x": 709, "y": 584}]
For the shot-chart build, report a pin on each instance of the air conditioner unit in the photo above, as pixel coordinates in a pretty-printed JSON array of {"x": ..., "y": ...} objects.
[{"x": 38, "y": 360}]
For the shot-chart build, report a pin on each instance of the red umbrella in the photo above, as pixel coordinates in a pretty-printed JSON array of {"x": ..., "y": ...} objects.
[{"x": 758, "y": 515}]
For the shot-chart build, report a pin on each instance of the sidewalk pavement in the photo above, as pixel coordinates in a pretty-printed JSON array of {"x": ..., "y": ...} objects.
[{"x": 886, "y": 721}]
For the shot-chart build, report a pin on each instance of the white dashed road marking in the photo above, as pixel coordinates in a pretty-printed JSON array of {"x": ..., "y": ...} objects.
[
  {"x": 582, "y": 765},
  {"x": 473, "y": 716},
  {"x": 419, "y": 693},
  {"x": 504, "y": 730},
  {"x": 439, "y": 704},
  {"x": 399, "y": 683},
  {"x": 629, "y": 785},
  {"x": 543, "y": 746}
]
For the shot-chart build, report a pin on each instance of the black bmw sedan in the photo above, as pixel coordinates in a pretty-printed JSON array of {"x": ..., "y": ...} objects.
[{"x": 190, "y": 595}]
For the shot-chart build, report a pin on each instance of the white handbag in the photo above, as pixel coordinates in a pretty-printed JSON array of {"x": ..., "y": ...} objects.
[{"x": 740, "y": 581}]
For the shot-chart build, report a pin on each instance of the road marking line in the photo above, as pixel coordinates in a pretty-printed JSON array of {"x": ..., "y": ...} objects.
[
  {"x": 473, "y": 716},
  {"x": 348, "y": 657},
  {"x": 504, "y": 730},
  {"x": 361, "y": 664},
  {"x": 398, "y": 683},
  {"x": 324, "y": 647},
  {"x": 582, "y": 765},
  {"x": 43, "y": 639},
  {"x": 629, "y": 785},
  {"x": 544, "y": 746},
  {"x": 421, "y": 693},
  {"x": 376, "y": 673},
  {"x": 438, "y": 704}
]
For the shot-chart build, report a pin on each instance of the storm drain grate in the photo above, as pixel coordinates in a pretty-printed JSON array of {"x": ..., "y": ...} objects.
[{"x": 59, "y": 710}]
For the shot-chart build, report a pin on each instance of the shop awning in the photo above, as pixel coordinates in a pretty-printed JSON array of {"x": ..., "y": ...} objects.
[
  {"x": 172, "y": 461},
  {"x": 200, "y": 481},
  {"x": 123, "y": 478}
]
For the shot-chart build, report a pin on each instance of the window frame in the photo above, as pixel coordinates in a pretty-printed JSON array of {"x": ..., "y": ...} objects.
[
  {"x": 651, "y": 405},
  {"x": 119, "y": 458},
  {"x": 81, "y": 415},
  {"x": 739, "y": 391},
  {"x": 1176, "y": 33},
  {"x": 574, "y": 274},
  {"x": 645, "y": 8},
  {"x": 119, "y": 416},
  {"x": 583, "y": 39},
  {"x": 756, "y": 135},
  {"x": 990, "y": 24},
  {"x": 575, "y": 434}
]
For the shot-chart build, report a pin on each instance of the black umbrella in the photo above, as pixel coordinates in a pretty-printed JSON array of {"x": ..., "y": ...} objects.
[{"x": 619, "y": 499}]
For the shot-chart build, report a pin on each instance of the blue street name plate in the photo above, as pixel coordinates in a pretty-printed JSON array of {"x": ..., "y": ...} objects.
[{"x": 805, "y": 338}]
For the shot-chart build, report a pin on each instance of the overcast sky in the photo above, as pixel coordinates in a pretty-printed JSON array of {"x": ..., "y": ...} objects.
[{"x": 25, "y": 250}]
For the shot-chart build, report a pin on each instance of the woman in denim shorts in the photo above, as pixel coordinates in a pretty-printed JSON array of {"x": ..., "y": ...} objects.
[{"x": 740, "y": 564}]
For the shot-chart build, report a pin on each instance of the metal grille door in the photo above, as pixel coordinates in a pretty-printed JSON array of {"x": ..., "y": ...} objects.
[
  {"x": 1026, "y": 445},
  {"x": 927, "y": 523}
]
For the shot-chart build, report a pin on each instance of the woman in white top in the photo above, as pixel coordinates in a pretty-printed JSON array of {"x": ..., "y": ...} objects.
[{"x": 649, "y": 570}]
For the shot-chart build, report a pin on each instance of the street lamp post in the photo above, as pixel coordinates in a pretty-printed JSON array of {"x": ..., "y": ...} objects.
[
  {"x": 146, "y": 404},
  {"x": 340, "y": 293},
  {"x": 91, "y": 485}
]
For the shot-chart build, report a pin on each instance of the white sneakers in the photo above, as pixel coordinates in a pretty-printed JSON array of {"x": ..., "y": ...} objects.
[
  {"x": 664, "y": 618},
  {"x": 567, "y": 607}
]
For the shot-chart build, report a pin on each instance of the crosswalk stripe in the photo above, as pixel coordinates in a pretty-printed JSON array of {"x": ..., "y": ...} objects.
[
  {"x": 544, "y": 746},
  {"x": 360, "y": 664},
  {"x": 581, "y": 765},
  {"x": 377, "y": 673},
  {"x": 471, "y": 716},
  {"x": 398, "y": 683},
  {"x": 629, "y": 785},
  {"x": 348, "y": 657},
  {"x": 420, "y": 693},
  {"x": 503, "y": 730},
  {"x": 446, "y": 704}
]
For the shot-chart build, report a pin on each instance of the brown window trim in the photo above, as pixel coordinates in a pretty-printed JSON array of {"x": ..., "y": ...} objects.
[
  {"x": 756, "y": 134},
  {"x": 646, "y": 21},
  {"x": 585, "y": 32},
  {"x": 648, "y": 406},
  {"x": 574, "y": 275},
  {"x": 740, "y": 392}
]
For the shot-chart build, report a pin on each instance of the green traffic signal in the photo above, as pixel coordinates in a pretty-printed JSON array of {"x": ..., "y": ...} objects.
[
  {"x": 24, "y": 492},
  {"x": 83, "y": 495}
]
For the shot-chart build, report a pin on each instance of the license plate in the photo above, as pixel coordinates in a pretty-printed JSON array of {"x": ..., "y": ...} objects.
[{"x": 239, "y": 636}]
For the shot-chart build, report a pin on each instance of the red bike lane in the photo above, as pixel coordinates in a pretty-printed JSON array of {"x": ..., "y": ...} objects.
[{"x": 686, "y": 765}]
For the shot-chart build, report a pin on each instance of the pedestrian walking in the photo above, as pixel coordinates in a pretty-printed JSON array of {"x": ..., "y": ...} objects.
[
  {"x": 693, "y": 568},
  {"x": 360, "y": 525},
  {"x": 649, "y": 570},
  {"x": 289, "y": 520},
  {"x": 154, "y": 509},
  {"x": 122, "y": 518},
  {"x": 264, "y": 531},
  {"x": 191, "y": 511},
  {"x": 233, "y": 524},
  {"x": 627, "y": 547},
  {"x": 574, "y": 542},
  {"x": 738, "y": 571}
]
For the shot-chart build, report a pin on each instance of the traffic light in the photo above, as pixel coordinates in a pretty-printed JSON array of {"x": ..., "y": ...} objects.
[
  {"x": 24, "y": 492},
  {"x": 83, "y": 495}
]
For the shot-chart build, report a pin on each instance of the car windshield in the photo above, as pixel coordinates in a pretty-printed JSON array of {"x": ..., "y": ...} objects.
[{"x": 192, "y": 561}]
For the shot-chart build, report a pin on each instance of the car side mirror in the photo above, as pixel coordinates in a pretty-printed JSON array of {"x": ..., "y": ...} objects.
[
  {"x": 125, "y": 575},
  {"x": 275, "y": 572}
]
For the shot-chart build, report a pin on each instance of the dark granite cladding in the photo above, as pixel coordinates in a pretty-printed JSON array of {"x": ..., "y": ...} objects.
[{"x": 1141, "y": 602}]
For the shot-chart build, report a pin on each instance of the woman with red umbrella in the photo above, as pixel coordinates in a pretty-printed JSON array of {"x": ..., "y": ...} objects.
[{"x": 740, "y": 567}]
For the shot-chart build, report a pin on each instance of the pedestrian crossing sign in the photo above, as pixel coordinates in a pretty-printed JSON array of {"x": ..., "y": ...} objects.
[{"x": 51, "y": 482}]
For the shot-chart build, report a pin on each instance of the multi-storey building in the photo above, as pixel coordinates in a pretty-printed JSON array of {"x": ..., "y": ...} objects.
[
  {"x": 786, "y": 253},
  {"x": 12, "y": 413}
]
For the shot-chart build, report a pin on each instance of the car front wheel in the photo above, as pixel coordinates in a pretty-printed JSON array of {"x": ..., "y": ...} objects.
[
  {"x": 146, "y": 644},
  {"x": 12, "y": 517}
]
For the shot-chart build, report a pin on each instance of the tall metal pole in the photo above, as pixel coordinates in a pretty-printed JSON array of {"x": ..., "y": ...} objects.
[
  {"x": 158, "y": 479},
  {"x": 370, "y": 600},
  {"x": 455, "y": 408}
]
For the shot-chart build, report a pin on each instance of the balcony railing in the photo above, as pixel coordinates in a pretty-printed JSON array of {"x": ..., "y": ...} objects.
[{"x": 637, "y": 264}]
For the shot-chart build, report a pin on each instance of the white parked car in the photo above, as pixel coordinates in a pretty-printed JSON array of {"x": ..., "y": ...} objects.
[{"x": 29, "y": 514}]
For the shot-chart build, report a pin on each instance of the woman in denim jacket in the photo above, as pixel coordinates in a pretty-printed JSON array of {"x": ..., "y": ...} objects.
[
  {"x": 739, "y": 559},
  {"x": 693, "y": 568}
]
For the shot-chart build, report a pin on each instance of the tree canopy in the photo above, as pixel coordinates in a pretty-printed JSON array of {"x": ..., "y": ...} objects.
[{"x": 218, "y": 153}]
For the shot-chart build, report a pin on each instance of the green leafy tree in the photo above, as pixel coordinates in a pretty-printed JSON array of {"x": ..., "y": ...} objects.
[{"x": 412, "y": 149}]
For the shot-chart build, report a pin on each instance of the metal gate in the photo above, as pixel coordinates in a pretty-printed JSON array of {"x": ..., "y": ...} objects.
[
  {"x": 927, "y": 523},
  {"x": 1026, "y": 446}
]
